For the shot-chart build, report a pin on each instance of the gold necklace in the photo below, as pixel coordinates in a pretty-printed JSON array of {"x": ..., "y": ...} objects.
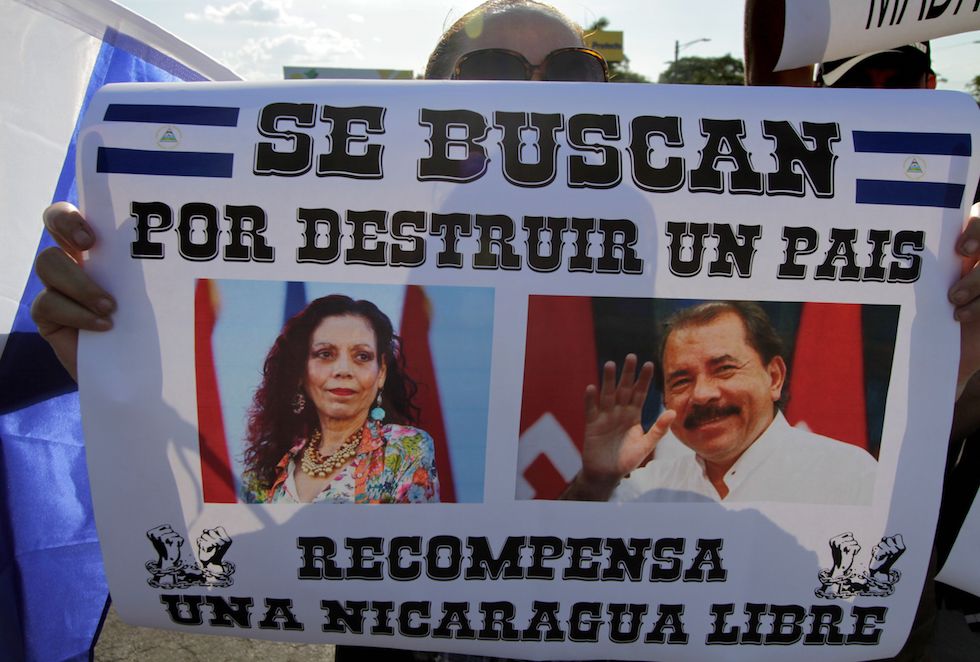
[{"x": 315, "y": 465}]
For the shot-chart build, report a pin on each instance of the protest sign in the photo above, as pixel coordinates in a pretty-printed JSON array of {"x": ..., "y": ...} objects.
[
  {"x": 822, "y": 30},
  {"x": 517, "y": 237}
]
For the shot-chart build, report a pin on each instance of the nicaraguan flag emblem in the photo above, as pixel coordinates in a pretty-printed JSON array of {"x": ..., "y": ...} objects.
[
  {"x": 168, "y": 137},
  {"x": 915, "y": 167}
]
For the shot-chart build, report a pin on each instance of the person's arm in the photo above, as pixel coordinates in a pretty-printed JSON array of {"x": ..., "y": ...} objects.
[
  {"x": 615, "y": 443},
  {"x": 965, "y": 297},
  {"x": 966, "y": 412},
  {"x": 764, "y": 25},
  {"x": 71, "y": 300}
]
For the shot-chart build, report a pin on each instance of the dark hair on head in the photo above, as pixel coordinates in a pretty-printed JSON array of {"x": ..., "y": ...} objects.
[
  {"x": 273, "y": 426},
  {"x": 759, "y": 331},
  {"x": 442, "y": 60}
]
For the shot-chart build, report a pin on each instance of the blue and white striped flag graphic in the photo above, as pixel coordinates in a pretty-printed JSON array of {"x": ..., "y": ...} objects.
[
  {"x": 170, "y": 163},
  {"x": 929, "y": 168}
]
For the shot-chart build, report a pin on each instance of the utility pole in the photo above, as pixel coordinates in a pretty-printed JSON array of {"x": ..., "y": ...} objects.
[{"x": 678, "y": 46}]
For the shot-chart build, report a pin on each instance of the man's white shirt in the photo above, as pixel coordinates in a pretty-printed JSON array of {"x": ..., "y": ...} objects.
[{"x": 785, "y": 464}]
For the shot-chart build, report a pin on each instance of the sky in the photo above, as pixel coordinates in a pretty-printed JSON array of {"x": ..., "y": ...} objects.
[{"x": 256, "y": 38}]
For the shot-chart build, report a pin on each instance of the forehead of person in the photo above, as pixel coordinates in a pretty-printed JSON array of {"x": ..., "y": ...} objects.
[
  {"x": 723, "y": 393},
  {"x": 532, "y": 31}
]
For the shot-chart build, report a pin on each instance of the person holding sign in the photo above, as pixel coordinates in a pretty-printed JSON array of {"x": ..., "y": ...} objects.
[
  {"x": 94, "y": 304},
  {"x": 317, "y": 428},
  {"x": 722, "y": 374}
]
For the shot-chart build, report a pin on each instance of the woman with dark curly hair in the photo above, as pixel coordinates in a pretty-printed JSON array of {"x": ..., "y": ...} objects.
[{"x": 331, "y": 419}]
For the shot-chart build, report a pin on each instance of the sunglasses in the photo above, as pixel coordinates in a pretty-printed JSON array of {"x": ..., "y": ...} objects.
[{"x": 564, "y": 64}]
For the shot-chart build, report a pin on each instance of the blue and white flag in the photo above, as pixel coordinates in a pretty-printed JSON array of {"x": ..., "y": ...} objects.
[
  {"x": 932, "y": 174},
  {"x": 57, "y": 53}
]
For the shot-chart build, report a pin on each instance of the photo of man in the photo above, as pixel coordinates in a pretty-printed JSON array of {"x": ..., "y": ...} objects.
[{"x": 722, "y": 372}]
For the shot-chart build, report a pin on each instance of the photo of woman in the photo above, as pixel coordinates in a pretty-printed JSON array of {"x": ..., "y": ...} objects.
[{"x": 331, "y": 420}]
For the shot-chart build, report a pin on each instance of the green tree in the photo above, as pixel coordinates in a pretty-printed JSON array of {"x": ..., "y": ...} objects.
[
  {"x": 973, "y": 87},
  {"x": 725, "y": 70},
  {"x": 619, "y": 72}
]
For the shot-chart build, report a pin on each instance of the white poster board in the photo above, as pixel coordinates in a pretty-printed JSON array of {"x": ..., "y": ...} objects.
[
  {"x": 550, "y": 227},
  {"x": 822, "y": 30}
]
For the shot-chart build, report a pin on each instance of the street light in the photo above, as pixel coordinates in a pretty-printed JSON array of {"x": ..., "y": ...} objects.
[{"x": 678, "y": 46}]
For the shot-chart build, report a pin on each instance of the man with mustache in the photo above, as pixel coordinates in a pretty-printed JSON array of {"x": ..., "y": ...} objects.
[{"x": 722, "y": 374}]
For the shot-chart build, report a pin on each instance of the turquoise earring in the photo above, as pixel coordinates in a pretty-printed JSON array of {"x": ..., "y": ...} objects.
[{"x": 378, "y": 412}]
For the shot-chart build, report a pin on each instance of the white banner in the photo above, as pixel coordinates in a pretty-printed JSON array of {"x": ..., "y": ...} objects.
[
  {"x": 518, "y": 237},
  {"x": 823, "y": 30}
]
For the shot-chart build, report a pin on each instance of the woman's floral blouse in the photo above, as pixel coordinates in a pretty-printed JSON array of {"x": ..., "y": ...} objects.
[{"x": 394, "y": 464}]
